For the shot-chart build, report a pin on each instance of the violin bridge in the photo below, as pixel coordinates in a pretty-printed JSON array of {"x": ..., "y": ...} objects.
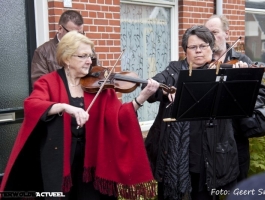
[
  {"x": 218, "y": 66},
  {"x": 106, "y": 73},
  {"x": 190, "y": 68}
]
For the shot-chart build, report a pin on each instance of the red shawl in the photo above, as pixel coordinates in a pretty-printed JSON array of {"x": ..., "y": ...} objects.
[{"x": 114, "y": 153}]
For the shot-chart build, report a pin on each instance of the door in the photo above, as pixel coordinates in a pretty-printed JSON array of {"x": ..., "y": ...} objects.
[{"x": 17, "y": 42}]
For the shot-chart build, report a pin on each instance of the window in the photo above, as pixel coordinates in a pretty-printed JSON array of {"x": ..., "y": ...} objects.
[
  {"x": 146, "y": 38},
  {"x": 255, "y": 30}
]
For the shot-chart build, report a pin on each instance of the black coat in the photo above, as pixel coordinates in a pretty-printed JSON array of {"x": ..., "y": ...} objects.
[{"x": 167, "y": 145}]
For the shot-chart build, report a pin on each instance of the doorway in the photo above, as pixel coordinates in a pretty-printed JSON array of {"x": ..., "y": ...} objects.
[{"x": 17, "y": 42}]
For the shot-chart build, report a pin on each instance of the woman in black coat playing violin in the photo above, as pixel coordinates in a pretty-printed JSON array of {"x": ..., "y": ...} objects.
[{"x": 181, "y": 153}]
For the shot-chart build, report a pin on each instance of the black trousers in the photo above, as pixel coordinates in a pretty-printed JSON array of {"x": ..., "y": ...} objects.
[
  {"x": 243, "y": 157},
  {"x": 81, "y": 190},
  {"x": 198, "y": 192}
]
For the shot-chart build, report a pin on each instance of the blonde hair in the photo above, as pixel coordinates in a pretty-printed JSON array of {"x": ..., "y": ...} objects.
[{"x": 69, "y": 45}]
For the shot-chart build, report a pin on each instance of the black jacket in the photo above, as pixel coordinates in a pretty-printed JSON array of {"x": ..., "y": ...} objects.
[{"x": 167, "y": 145}]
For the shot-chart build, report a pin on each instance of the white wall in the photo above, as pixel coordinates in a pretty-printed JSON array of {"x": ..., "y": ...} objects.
[{"x": 41, "y": 21}]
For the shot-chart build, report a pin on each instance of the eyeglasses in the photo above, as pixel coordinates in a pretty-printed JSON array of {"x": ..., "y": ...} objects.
[
  {"x": 201, "y": 47},
  {"x": 85, "y": 56},
  {"x": 83, "y": 33}
]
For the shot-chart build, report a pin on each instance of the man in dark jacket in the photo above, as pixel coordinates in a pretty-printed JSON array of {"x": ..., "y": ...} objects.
[
  {"x": 44, "y": 59},
  {"x": 219, "y": 26}
]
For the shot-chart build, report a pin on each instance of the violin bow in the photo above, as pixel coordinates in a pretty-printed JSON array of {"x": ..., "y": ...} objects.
[
  {"x": 215, "y": 62},
  {"x": 102, "y": 85}
]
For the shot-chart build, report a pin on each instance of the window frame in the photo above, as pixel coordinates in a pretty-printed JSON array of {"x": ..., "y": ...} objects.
[
  {"x": 145, "y": 125},
  {"x": 255, "y": 11}
]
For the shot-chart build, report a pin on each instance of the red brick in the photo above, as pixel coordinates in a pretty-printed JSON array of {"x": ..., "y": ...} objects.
[
  {"x": 93, "y": 29},
  {"x": 109, "y": 42},
  {"x": 105, "y": 8},
  {"x": 101, "y": 22},
  {"x": 55, "y": 4},
  {"x": 94, "y": 35},
  {"x": 115, "y": 49},
  {"x": 89, "y": 21},
  {"x": 116, "y": 2},
  {"x": 84, "y": 14},
  {"x": 117, "y": 42},
  {"x": 109, "y": 56},
  {"x": 105, "y": 49},
  {"x": 78, "y": 6},
  {"x": 93, "y": 7},
  {"x": 92, "y": 14},
  {"x": 115, "y": 16},
  {"x": 112, "y": 62},
  {"x": 105, "y": 63},
  {"x": 101, "y": 28},
  {"x": 105, "y": 36},
  {"x": 101, "y": 55},
  {"x": 109, "y": 29},
  {"x": 108, "y": 2},
  {"x": 114, "y": 8},
  {"x": 114, "y": 36},
  {"x": 100, "y": 15},
  {"x": 114, "y": 22},
  {"x": 108, "y": 15},
  {"x": 117, "y": 29}
]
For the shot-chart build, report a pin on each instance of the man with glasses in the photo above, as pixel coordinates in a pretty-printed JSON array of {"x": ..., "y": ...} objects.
[{"x": 44, "y": 59}]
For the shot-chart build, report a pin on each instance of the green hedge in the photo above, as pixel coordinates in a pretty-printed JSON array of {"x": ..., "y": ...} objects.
[{"x": 257, "y": 155}]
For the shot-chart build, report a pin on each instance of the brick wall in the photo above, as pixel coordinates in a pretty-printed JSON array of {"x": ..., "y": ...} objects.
[
  {"x": 101, "y": 25},
  {"x": 194, "y": 12},
  {"x": 102, "y": 22}
]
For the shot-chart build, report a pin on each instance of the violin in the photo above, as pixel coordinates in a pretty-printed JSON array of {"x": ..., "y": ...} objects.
[
  {"x": 124, "y": 82},
  {"x": 100, "y": 78},
  {"x": 230, "y": 64}
]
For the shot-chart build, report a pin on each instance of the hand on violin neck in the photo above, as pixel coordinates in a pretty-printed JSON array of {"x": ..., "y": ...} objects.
[
  {"x": 149, "y": 90},
  {"x": 240, "y": 64}
]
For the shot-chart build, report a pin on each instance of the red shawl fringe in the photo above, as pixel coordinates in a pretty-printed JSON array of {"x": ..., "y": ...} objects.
[
  {"x": 67, "y": 183},
  {"x": 106, "y": 187},
  {"x": 134, "y": 192},
  {"x": 145, "y": 190},
  {"x": 87, "y": 174}
]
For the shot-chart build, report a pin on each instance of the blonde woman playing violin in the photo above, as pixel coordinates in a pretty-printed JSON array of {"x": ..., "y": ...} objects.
[{"x": 105, "y": 156}]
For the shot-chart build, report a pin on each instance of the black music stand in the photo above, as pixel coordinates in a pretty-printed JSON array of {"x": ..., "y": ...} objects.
[{"x": 206, "y": 96}]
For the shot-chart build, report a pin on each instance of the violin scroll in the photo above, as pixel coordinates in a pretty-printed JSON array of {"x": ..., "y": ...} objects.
[{"x": 170, "y": 90}]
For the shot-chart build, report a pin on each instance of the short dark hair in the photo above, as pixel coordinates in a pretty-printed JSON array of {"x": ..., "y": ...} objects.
[
  {"x": 73, "y": 16},
  {"x": 201, "y": 32}
]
